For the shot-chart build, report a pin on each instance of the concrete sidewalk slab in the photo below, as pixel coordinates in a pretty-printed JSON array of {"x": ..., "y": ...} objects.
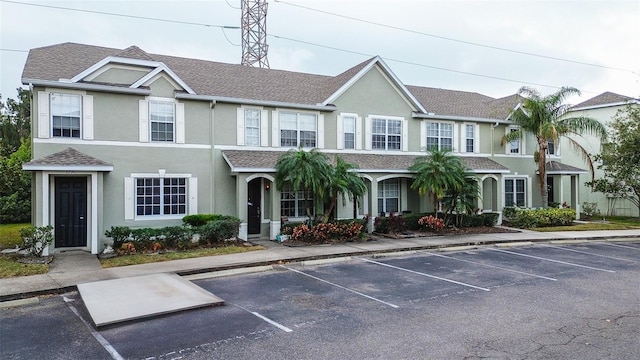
[{"x": 118, "y": 300}]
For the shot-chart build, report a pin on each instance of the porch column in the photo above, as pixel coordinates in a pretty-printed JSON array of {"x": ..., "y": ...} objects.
[
  {"x": 275, "y": 223},
  {"x": 575, "y": 203},
  {"x": 241, "y": 203},
  {"x": 373, "y": 213},
  {"x": 562, "y": 189},
  {"x": 480, "y": 200}
]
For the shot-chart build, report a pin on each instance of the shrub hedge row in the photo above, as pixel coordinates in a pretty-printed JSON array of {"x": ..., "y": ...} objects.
[
  {"x": 530, "y": 218},
  {"x": 404, "y": 222},
  {"x": 213, "y": 229}
]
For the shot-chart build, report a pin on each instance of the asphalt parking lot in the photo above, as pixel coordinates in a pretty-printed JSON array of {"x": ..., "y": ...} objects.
[{"x": 577, "y": 301}]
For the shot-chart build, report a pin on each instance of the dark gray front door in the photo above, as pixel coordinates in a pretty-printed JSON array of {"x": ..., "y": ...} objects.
[
  {"x": 71, "y": 212},
  {"x": 253, "y": 211}
]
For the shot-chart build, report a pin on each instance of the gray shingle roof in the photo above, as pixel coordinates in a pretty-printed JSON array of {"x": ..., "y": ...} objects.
[
  {"x": 247, "y": 160},
  {"x": 558, "y": 167},
  {"x": 64, "y": 61},
  {"x": 68, "y": 157},
  {"x": 603, "y": 99}
]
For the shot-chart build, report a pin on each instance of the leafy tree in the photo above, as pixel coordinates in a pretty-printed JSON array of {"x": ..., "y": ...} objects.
[
  {"x": 620, "y": 158},
  {"x": 304, "y": 171},
  {"x": 15, "y": 122},
  {"x": 15, "y": 186},
  {"x": 437, "y": 174},
  {"x": 544, "y": 118},
  {"x": 345, "y": 181}
]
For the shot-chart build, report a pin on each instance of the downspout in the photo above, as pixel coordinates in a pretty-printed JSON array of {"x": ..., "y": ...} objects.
[
  {"x": 213, "y": 157},
  {"x": 493, "y": 127}
]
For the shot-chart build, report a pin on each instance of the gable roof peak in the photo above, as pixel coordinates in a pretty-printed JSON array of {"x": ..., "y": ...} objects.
[{"x": 134, "y": 52}]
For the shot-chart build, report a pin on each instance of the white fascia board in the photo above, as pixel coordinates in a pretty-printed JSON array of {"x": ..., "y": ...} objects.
[
  {"x": 459, "y": 118},
  {"x": 622, "y": 103},
  {"x": 561, "y": 172},
  {"x": 114, "y": 59},
  {"x": 37, "y": 167},
  {"x": 490, "y": 171},
  {"x": 231, "y": 100},
  {"x": 377, "y": 60},
  {"x": 160, "y": 68},
  {"x": 85, "y": 86}
]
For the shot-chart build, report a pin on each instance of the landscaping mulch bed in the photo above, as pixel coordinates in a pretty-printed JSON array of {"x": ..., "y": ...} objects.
[{"x": 413, "y": 234}]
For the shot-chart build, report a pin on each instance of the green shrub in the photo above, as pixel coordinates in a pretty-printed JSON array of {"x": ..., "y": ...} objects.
[
  {"x": 490, "y": 218},
  {"x": 589, "y": 209},
  {"x": 14, "y": 209},
  {"x": 178, "y": 237},
  {"x": 119, "y": 234},
  {"x": 530, "y": 218},
  {"x": 509, "y": 212},
  {"x": 201, "y": 219},
  {"x": 216, "y": 232},
  {"x": 36, "y": 238}
]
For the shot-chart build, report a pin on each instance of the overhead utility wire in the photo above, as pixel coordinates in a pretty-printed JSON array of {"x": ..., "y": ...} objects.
[
  {"x": 455, "y": 40},
  {"x": 284, "y": 38},
  {"x": 417, "y": 64},
  {"x": 123, "y": 15}
]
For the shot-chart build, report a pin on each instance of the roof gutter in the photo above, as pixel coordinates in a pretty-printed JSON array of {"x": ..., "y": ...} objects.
[
  {"x": 459, "y": 118},
  {"x": 231, "y": 100},
  {"x": 620, "y": 103},
  {"x": 85, "y": 86}
]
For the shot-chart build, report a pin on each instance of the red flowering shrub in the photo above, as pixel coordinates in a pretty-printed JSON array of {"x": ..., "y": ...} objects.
[
  {"x": 431, "y": 223},
  {"x": 323, "y": 232}
]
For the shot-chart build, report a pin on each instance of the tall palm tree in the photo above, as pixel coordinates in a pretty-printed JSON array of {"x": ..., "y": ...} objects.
[
  {"x": 438, "y": 173},
  {"x": 306, "y": 171},
  {"x": 544, "y": 118},
  {"x": 345, "y": 181}
]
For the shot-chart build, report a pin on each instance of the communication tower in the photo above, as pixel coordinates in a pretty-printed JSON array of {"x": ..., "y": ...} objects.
[{"x": 254, "y": 33}]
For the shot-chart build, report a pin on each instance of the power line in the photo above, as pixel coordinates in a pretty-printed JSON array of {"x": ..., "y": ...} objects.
[
  {"x": 123, "y": 15},
  {"x": 279, "y": 37},
  {"x": 453, "y": 39},
  {"x": 418, "y": 64},
  {"x": 14, "y": 50}
]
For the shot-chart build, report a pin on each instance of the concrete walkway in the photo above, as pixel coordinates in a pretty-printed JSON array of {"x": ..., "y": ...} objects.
[{"x": 75, "y": 267}]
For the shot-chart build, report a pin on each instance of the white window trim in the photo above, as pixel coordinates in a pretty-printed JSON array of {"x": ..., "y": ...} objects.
[
  {"x": 45, "y": 116},
  {"x": 340, "y": 131},
  {"x": 144, "y": 121},
  {"x": 454, "y": 141},
  {"x": 507, "y": 149},
  {"x": 400, "y": 194},
  {"x": 130, "y": 196},
  {"x": 404, "y": 132},
  {"x": 476, "y": 137},
  {"x": 528, "y": 191},
  {"x": 263, "y": 126},
  {"x": 275, "y": 127}
]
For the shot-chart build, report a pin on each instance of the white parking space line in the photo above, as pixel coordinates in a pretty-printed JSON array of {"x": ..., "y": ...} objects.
[
  {"x": 104, "y": 342},
  {"x": 427, "y": 275},
  {"x": 342, "y": 287},
  {"x": 555, "y": 261},
  {"x": 622, "y": 246},
  {"x": 274, "y": 323},
  {"x": 496, "y": 267},
  {"x": 588, "y": 253}
]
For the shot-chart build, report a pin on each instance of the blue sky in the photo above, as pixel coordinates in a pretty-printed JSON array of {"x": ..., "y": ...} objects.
[{"x": 305, "y": 35}]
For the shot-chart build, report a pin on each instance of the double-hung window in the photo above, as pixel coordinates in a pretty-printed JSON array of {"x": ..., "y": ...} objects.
[
  {"x": 349, "y": 131},
  {"x": 66, "y": 114},
  {"x": 470, "y": 136},
  {"x": 386, "y": 134},
  {"x": 515, "y": 192},
  {"x": 252, "y": 127},
  {"x": 551, "y": 147},
  {"x": 161, "y": 196},
  {"x": 295, "y": 203},
  {"x": 389, "y": 195},
  {"x": 298, "y": 129},
  {"x": 439, "y": 136},
  {"x": 162, "y": 119},
  {"x": 515, "y": 145}
]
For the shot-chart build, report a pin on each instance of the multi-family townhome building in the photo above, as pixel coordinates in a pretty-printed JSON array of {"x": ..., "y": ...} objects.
[
  {"x": 603, "y": 108},
  {"x": 124, "y": 137}
]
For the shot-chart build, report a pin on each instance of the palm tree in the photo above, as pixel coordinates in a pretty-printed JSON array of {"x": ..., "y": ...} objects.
[
  {"x": 543, "y": 117},
  {"x": 438, "y": 173},
  {"x": 345, "y": 181},
  {"x": 463, "y": 199},
  {"x": 306, "y": 171}
]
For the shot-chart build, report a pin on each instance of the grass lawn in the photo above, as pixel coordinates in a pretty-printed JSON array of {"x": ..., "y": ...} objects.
[
  {"x": 10, "y": 235},
  {"x": 151, "y": 258},
  {"x": 611, "y": 223}
]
